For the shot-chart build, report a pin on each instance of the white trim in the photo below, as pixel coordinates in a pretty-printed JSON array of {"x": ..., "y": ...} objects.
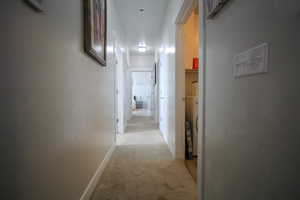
[
  {"x": 187, "y": 8},
  {"x": 180, "y": 95},
  {"x": 93, "y": 182},
  {"x": 184, "y": 13},
  {"x": 146, "y": 69},
  {"x": 202, "y": 102}
]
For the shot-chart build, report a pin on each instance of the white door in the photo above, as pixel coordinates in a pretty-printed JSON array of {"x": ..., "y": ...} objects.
[
  {"x": 115, "y": 61},
  {"x": 120, "y": 89},
  {"x": 163, "y": 97}
]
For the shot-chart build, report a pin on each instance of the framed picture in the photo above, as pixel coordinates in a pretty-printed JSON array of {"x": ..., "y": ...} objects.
[
  {"x": 35, "y": 4},
  {"x": 214, "y": 7},
  {"x": 95, "y": 29}
]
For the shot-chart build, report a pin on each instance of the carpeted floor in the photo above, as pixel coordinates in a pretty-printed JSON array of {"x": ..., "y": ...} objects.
[{"x": 142, "y": 168}]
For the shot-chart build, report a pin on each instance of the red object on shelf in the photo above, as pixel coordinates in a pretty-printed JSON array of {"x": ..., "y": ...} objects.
[{"x": 195, "y": 63}]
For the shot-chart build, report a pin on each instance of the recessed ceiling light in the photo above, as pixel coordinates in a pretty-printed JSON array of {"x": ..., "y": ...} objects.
[
  {"x": 142, "y": 44},
  {"x": 142, "y": 49}
]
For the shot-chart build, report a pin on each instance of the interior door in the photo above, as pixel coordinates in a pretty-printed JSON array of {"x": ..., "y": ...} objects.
[
  {"x": 163, "y": 97},
  {"x": 116, "y": 110}
]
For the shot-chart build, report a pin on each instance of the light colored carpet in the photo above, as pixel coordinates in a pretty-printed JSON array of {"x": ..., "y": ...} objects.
[
  {"x": 191, "y": 165},
  {"x": 142, "y": 168}
]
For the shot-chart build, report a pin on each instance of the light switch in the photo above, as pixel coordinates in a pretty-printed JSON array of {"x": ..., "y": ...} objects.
[{"x": 251, "y": 62}]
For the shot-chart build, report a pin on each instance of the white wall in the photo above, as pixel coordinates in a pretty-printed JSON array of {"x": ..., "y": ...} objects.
[
  {"x": 140, "y": 62},
  {"x": 127, "y": 88},
  {"x": 167, "y": 76},
  {"x": 164, "y": 99},
  {"x": 252, "y": 129},
  {"x": 121, "y": 69},
  {"x": 57, "y": 103}
]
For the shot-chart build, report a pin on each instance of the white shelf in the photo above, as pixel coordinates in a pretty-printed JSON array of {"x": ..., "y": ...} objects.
[{"x": 192, "y": 70}]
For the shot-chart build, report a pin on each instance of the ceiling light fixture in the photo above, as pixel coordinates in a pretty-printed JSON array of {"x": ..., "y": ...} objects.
[
  {"x": 142, "y": 44},
  {"x": 142, "y": 49}
]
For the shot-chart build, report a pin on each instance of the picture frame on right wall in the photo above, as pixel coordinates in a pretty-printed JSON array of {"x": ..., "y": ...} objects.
[{"x": 214, "y": 7}]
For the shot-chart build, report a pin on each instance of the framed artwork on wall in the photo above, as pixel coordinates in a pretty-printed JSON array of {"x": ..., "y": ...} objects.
[
  {"x": 214, "y": 7},
  {"x": 35, "y": 4},
  {"x": 96, "y": 29}
]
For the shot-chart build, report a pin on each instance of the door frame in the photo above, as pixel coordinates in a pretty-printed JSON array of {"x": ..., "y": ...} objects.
[
  {"x": 184, "y": 13},
  {"x": 141, "y": 70}
]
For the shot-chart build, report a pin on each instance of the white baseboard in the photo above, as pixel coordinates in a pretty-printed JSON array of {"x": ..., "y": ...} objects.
[{"x": 93, "y": 182}]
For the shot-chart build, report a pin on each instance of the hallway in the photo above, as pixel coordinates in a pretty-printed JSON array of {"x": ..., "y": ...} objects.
[
  {"x": 142, "y": 168},
  {"x": 139, "y": 99}
]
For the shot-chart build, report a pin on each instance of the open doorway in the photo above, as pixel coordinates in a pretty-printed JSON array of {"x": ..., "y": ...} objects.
[
  {"x": 141, "y": 127},
  {"x": 142, "y": 91},
  {"x": 191, "y": 66},
  {"x": 188, "y": 42},
  {"x": 140, "y": 95}
]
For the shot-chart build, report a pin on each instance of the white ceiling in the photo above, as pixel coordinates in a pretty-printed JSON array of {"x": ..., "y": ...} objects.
[{"x": 142, "y": 27}]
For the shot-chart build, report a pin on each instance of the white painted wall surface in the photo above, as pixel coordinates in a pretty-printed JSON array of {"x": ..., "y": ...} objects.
[
  {"x": 140, "y": 62},
  {"x": 57, "y": 103},
  {"x": 127, "y": 88},
  {"x": 163, "y": 98},
  {"x": 121, "y": 66},
  {"x": 167, "y": 76},
  {"x": 252, "y": 129}
]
